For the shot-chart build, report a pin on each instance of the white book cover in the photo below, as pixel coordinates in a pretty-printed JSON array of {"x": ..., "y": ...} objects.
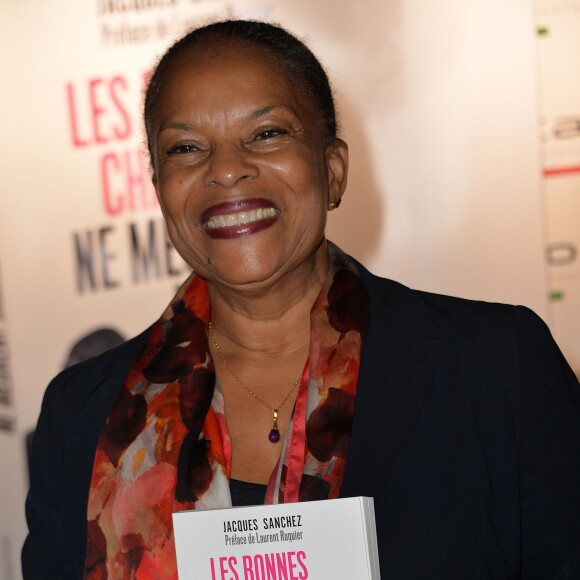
[{"x": 314, "y": 540}]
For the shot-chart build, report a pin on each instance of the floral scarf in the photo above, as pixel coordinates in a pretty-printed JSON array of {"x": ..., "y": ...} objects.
[{"x": 166, "y": 448}]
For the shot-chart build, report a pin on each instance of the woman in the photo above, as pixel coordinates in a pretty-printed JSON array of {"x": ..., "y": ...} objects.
[{"x": 459, "y": 418}]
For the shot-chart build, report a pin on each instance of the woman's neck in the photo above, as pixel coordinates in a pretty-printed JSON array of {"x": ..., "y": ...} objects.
[{"x": 274, "y": 318}]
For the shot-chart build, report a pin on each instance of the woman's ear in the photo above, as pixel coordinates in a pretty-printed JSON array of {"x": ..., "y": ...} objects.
[{"x": 337, "y": 168}]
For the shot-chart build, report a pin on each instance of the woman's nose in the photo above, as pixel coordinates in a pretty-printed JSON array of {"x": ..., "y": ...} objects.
[{"x": 228, "y": 165}]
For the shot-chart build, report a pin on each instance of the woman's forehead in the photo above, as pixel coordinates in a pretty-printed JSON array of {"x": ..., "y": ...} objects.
[
  {"x": 232, "y": 69},
  {"x": 211, "y": 54}
]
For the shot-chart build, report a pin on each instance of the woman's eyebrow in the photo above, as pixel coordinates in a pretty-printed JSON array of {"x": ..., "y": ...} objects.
[
  {"x": 269, "y": 108},
  {"x": 176, "y": 125},
  {"x": 257, "y": 114},
  {"x": 261, "y": 112}
]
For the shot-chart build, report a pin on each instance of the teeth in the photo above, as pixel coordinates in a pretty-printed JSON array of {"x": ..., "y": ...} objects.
[{"x": 241, "y": 217}]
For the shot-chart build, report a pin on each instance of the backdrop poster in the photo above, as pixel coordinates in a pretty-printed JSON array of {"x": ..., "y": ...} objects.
[
  {"x": 8, "y": 451},
  {"x": 437, "y": 101},
  {"x": 559, "y": 61}
]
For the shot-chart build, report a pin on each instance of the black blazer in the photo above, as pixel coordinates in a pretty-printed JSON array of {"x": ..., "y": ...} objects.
[{"x": 466, "y": 433}]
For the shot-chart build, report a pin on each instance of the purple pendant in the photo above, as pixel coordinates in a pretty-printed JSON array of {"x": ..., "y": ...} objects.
[{"x": 274, "y": 435}]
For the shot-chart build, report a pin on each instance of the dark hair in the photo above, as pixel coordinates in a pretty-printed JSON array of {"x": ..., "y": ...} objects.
[{"x": 295, "y": 58}]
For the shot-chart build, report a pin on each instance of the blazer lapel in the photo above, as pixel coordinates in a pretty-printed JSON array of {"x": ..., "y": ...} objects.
[
  {"x": 394, "y": 379},
  {"x": 390, "y": 396}
]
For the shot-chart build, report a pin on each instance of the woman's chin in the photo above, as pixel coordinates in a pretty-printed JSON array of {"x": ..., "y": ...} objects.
[
  {"x": 255, "y": 272},
  {"x": 280, "y": 277},
  {"x": 259, "y": 261}
]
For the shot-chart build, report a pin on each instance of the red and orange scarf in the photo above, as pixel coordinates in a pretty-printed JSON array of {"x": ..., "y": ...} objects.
[{"x": 166, "y": 448}]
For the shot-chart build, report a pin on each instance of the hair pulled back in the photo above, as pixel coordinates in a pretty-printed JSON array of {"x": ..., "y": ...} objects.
[{"x": 298, "y": 62}]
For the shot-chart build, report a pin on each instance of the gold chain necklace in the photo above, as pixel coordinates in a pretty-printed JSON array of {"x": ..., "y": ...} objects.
[{"x": 274, "y": 435}]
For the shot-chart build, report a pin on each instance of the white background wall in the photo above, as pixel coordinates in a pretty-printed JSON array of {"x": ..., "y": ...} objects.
[{"x": 440, "y": 102}]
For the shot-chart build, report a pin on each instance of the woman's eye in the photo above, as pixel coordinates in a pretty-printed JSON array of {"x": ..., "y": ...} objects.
[
  {"x": 269, "y": 134},
  {"x": 182, "y": 148}
]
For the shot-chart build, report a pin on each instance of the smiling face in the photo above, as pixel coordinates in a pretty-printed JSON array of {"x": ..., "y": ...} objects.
[{"x": 241, "y": 168}]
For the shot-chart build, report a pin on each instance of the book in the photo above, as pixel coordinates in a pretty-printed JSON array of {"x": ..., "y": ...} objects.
[{"x": 314, "y": 540}]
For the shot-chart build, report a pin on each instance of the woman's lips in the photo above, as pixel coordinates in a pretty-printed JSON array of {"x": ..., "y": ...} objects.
[{"x": 240, "y": 218}]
